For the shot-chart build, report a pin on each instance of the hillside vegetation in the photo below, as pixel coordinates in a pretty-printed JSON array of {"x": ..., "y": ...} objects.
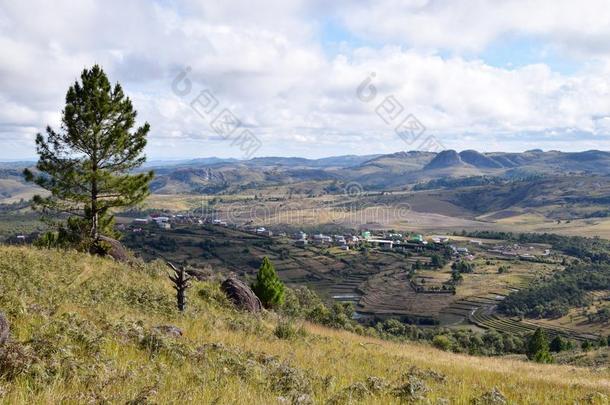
[{"x": 88, "y": 330}]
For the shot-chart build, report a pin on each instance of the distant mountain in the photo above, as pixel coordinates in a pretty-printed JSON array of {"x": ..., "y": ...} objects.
[
  {"x": 334, "y": 161},
  {"x": 396, "y": 171},
  {"x": 445, "y": 159},
  {"x": 188, "y": 162},
  {"x": 476, "y": 159}
]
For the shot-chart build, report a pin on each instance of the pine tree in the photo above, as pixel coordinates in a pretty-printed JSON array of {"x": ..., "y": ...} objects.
[
  {"x": 558, "y": 344},
  {"x": 268, "y": 286},
  {"x": 538, "y": 347},
  {"x": 87, "y": 165}
]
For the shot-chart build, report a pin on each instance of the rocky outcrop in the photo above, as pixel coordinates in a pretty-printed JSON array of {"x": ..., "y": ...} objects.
[
  {"x": 117, "y": 251},
  {"x": 241, "y": 295}
]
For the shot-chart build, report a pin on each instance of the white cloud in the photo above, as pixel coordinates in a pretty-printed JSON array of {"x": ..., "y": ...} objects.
[
  {"x": 272, "y": 71},
  {"x": 471, "y": 25}
]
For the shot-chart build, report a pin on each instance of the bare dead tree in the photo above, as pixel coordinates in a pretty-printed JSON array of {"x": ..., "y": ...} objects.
[{"x": 181, "y": 281}]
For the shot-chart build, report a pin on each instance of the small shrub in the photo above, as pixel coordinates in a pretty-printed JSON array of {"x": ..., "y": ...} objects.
[
  {"x": 493, "y": 397},
  {"x": 211, "y": 293},
  {"x": 442, "y": 342},
  {"x": 287, "y": 330},
  {"x": 413, "y": 389},
  {"x": 15, "y": 359}
]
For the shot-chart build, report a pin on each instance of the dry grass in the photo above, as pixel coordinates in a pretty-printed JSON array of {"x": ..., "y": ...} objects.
[{"x": 94, "y": 319}]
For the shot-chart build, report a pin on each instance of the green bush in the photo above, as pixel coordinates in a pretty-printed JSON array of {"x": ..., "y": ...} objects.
[{"x": 442, "y": 342}]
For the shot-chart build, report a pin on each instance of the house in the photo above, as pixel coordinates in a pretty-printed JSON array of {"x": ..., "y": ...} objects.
[
  {"x": 462, "y": 250},
  {"x": 321, "y": 239},
  {"x": 382, "y": 242},
  {"x": 299, "y": 236},
  {"x": 162, "y": 222},
  {"x": 416, "y": 238},
  {"x": 142, "y": 221}
]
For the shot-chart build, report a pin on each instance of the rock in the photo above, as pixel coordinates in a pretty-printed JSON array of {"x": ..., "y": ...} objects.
[
  {"x": 4, "y": 329},
  {"x": 168, "y": 330},
  {"x": 241, "y": 295},
  {"x": 117, "y": 251}
]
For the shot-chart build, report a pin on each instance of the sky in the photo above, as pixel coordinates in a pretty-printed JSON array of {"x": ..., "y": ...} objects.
[{"x": 317, "y": 78}]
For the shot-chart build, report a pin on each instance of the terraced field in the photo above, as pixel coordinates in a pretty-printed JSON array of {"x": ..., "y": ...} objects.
[
  {"x": 466, "y": 306},
  {"x": 376, "y": 281},
  {"x": 227, "y": 250},
  {"x": 484, "y": 318},
  {"x": 390, "y": 293}
]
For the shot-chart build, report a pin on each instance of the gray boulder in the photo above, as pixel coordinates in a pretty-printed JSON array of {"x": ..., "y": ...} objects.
[{"x": 241, "y": 295}]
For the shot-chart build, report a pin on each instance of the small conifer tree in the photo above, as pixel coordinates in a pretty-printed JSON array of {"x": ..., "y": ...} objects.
[
  {"x": 268, "y": 286},
  {"x": 558, "y": 344},
  {"x": 538, "y": 347}
]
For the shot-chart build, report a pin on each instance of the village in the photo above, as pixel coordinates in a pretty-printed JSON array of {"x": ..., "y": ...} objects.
[{"x": 462, "y": 248}]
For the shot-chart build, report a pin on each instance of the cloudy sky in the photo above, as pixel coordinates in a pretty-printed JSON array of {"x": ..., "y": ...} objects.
[{"x": 489, "y": 75}]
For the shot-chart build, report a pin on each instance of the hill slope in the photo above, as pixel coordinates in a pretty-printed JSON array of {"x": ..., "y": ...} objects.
[{"x": 83, "y": 330}]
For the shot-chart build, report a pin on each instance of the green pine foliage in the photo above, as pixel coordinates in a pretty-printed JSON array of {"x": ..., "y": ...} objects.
[
  {"x": 87, "y": 166},
  {"x": 558, "y": 344},
  {"x": 268, "y": 286},
  {"x": 538, "y": 348}
]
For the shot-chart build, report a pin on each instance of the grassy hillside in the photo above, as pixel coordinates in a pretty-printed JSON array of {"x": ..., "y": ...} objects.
[{"x": 83, "y": 330}]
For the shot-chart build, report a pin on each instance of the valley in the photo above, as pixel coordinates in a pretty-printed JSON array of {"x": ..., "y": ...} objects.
[
  {"x": 382, "y": 283},
  {"x": 447, "y": 193}
]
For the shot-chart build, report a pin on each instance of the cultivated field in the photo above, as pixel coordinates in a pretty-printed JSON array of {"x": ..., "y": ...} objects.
[{"x": 376, "y": 280}]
